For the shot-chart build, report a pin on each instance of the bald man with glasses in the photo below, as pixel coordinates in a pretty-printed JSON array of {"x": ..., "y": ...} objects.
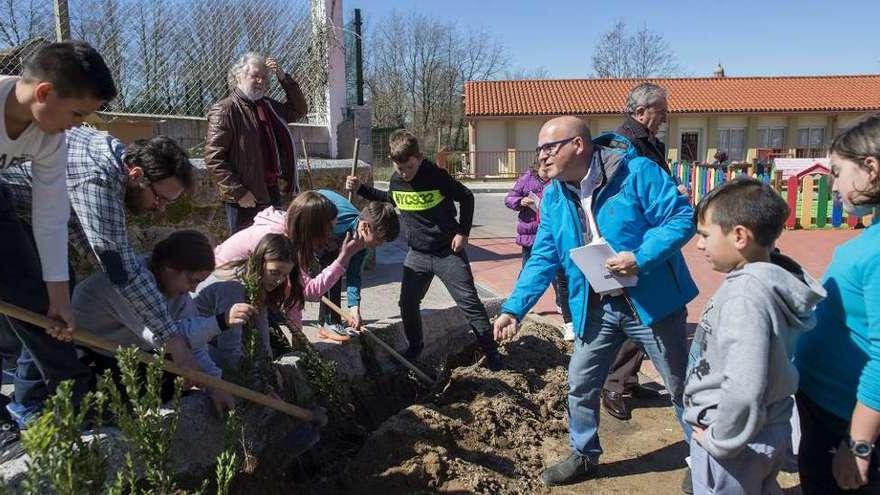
[{"x": 602, "y": 189}]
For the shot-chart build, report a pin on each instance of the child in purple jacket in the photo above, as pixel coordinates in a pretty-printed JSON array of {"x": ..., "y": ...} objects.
[{"x": 522, "y": 198}]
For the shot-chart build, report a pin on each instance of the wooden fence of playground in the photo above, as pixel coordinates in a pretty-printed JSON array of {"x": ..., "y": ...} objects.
[{"x": 808, "y": 194}]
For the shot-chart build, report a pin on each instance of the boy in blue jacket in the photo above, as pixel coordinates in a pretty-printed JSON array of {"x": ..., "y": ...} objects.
[{"x": 640, "y": 213}]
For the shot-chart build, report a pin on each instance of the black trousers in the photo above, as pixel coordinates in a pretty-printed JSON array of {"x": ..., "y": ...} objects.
[
  {"x": 822, "y": 431},
  {"x": 43, "y": 362},
  {"x": 238, "y": 218},
  {"x": 454, "y": 270}
]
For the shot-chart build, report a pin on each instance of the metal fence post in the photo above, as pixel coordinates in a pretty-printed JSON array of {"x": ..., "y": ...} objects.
[{"x": 62, "y": 20}]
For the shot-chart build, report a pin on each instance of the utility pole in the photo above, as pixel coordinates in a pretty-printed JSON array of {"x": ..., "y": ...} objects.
[
  {"x": 358, "y": 58},
  {"x": 62, "y": 20}
]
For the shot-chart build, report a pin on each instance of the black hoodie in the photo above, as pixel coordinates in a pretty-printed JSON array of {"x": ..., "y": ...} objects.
[{"x": 427, "y": 211}]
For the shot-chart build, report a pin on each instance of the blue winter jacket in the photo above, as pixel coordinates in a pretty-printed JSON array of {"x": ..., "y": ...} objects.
[
  {"x": 637, "y": 208},
  {"x": 347, "y": 218}
]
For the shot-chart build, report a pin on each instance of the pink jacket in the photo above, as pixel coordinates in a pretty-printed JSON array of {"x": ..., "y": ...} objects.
[
  {"x": 243, "y": 242},
  {"x": 271, "y": 221}
]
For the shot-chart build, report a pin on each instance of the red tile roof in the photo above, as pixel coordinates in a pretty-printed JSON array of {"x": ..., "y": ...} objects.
[{"x": 686, "y": 95}]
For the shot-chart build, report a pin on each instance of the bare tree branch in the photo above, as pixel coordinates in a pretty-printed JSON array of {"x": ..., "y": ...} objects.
[
  {"x": 415, "y": 69},
  {"x": 522, "y": 73},
  {"x": 643, "y": 54}
]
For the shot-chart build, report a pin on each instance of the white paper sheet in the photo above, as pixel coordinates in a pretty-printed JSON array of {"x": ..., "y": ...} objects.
[
  {"x": 536, "y": 201},
  {"x": 591, "y": 261}
]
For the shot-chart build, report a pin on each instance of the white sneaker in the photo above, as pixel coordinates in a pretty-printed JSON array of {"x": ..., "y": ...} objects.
[{"x": 569, "y": 332}]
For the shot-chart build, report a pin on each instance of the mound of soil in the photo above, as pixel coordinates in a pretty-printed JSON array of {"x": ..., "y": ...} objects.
[
  {"x": 494, "y": 432},
  {"x": 483, "y": 433}
]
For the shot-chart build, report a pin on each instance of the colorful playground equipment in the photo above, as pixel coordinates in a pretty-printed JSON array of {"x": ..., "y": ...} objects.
[{"x": 807, "y": 193}]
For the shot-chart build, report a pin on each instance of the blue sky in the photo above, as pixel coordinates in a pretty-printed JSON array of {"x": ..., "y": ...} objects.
[{"x": 748, "y": 37}]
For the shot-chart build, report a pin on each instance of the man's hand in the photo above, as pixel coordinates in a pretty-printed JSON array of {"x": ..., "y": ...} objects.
[
  {"x": 698, "y": 434},
  {"x": 272, "y": 64},
  {"x": 459, "y": 242},
  {"x": 352, "y": 183},
  {"x": 222, "y": 401},
  {"x": 850, "y": 472},
  {"x": 505, "y": 326},
  {"x": 248, "y": 200},
  {"x": 240, "y": 313},
  {"x": 182, "y": 356},
  {"x": 60, "y": 311},
  {"x": 355, "y": 320},
  {"x": 624, "y": 264}
]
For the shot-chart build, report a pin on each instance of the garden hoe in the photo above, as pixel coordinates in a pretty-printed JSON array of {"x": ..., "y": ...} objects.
[
  {"x": 354, "y": 163},
  {"x": 89, "y": 339},
  {"x": 308, "y": 165},
  {"x": 364, "y": 331}
]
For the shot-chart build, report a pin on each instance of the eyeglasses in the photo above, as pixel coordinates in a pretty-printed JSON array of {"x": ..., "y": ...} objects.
[{"x": 553, "y": 147}]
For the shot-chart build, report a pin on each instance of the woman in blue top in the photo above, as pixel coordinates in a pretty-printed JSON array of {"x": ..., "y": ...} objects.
[{"x": 839, "y": 361}]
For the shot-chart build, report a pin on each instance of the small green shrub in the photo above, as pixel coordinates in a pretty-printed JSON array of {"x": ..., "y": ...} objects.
[{"x": 62, "y": 462}]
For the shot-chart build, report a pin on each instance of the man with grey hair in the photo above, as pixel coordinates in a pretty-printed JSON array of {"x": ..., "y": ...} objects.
[
  {"x": 249, "y": 147},
  {"x": 646, "y": 108}
]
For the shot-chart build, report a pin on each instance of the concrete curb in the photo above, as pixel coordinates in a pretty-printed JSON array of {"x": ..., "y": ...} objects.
[{"x": 446, "y": 332}]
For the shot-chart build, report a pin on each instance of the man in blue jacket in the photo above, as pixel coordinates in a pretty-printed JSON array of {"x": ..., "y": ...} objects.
[{"x": 640, "y": 213}]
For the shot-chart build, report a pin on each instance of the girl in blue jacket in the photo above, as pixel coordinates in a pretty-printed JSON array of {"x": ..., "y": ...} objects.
[{"x": 839, "y": 362}]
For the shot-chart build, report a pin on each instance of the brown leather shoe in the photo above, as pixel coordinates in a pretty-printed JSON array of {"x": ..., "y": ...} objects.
[
  {"x": 644, "y": 393},
  {"x": 615, "y": 405}
]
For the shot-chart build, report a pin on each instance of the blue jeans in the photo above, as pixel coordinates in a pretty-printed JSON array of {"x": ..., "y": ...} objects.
[{"x": 609, "y": 323}]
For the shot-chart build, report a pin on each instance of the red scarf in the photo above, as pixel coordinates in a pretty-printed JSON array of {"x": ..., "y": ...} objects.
[{"x": 277, "y": 144}]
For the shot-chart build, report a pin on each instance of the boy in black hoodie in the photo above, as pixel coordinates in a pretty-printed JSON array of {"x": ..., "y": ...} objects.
[{"x": 425, "y": 193}]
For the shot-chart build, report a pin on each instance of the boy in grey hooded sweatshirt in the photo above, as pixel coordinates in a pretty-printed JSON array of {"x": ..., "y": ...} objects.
[{"x": 738, "y": 392}]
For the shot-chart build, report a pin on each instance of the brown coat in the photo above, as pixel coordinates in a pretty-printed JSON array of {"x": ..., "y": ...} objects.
[{"x": 232, "y": 151}]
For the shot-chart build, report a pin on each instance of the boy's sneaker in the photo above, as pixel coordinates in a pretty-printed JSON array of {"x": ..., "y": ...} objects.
[
  {"x": 335, "y": 332},
  {"x": 568, "y": 336},
  {"x": 572, "y": 469},
  {"x": 10, "y": 441}
]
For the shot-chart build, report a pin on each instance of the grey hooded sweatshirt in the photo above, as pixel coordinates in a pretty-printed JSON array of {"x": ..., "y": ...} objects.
[{"x": 743, "y": 378}]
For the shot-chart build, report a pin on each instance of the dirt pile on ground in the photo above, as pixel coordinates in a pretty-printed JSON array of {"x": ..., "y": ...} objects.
[{"x": 483, "y": 433}]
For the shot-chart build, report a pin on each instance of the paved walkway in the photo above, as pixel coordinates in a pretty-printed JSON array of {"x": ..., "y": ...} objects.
[{"x": 496, "y": 263}]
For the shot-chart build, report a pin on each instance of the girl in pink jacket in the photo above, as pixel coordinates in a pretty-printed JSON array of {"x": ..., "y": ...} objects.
[{"x": 308, "y": 224}]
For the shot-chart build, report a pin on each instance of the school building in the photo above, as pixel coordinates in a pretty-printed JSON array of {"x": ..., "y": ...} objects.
[{"x": 746, "y": 117}]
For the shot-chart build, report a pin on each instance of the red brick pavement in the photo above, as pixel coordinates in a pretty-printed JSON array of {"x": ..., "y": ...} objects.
[{"x": 496, "y": 263}]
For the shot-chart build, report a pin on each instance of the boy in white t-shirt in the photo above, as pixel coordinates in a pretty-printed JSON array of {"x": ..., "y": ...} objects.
[{"x": 60, "y": 84}]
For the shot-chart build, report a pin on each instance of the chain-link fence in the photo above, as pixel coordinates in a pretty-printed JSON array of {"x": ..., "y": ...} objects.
[{"x": 171, "y": 57}]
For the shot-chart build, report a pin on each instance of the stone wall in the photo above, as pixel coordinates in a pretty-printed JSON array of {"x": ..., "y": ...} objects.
[{"x": 201, "y": 209}]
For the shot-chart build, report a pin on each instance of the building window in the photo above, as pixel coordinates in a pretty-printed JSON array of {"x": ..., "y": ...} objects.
[
  {"x": 732, "y": 142},
  {"x": 771, "y": 137},
  {"x": 812, "y": 137}
]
